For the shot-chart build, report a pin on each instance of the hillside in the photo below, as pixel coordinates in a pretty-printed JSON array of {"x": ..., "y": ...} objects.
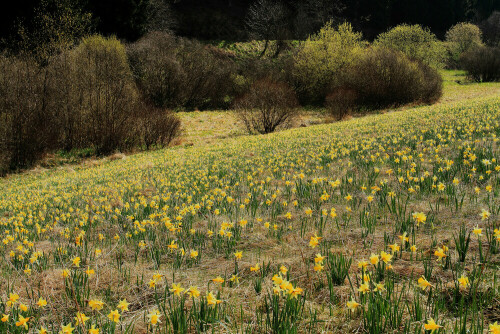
[{"x": 388, "y": 192}]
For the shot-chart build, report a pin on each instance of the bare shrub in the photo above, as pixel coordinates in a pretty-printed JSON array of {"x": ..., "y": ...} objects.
[
  {"x": 83, "y": 98},
  {"x": 66, "y": 100},
  {"x": 179, "y": 73},
  {"x": 482, "y": 64},
  {"x": 431, "y": 88},
  {"x": 155, "y": 68},
  {"x": 27, "y": 128},
  {"x": 383, "y": 77},
  {"x": 157, "y": 127},
  {"x": 266, "y": 106},
  {"x": 340, "y": 102}
]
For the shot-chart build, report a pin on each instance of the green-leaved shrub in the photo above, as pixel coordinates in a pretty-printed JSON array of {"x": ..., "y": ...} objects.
[
  {"x": 415, "y": 42},
  {"x": 461, "y": 38},
  {"x": 108, "y": 93},
  {"x": 320, "y": 60}
]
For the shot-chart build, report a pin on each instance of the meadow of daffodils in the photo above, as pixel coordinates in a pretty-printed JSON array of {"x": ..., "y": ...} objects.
[{"x": 382, "y": 224}]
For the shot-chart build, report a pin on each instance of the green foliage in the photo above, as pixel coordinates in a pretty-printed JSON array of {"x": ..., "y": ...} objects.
[
  {"x": 338, "y": 269},
  {"x": 283, "y": 312},
  {"x": 56, "y": 26},
  {"x": 462, "y": 241},
  {"x": 95, "y": 49},
  {"x": 461, "y": 38},
  {"x": 415, "y": 42},
  {"x": 109, "y": 95},
  {"x": 320, "y": 60}
]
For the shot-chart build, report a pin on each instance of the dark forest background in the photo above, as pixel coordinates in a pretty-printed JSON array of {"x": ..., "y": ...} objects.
[{"x": 228, "y": 19}]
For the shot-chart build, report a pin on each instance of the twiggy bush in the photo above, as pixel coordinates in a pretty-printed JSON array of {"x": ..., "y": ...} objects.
[
  {"x": 178, "y": 73},
  {"x": 108, "y": 94},
  {"x": 461, "y": 38},
  {"x": 157, "y": 127},
  {"x": 482, "y": 64},
  {"x": 382, "y": 78},
  {"x": 340, "y": 102},
  {"x": 26, "y": 115},
  {"x": 82, "y": 98},
  {"x": 267, "y": 106}
]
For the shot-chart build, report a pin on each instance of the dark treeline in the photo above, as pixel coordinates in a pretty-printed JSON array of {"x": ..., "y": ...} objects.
[
  {"x": 229, "y": 19},
  {"x": 226, "y": 19}
]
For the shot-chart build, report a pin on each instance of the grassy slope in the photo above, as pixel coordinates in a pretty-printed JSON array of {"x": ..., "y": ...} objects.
[
  {"x": 206, "y": 127},
  {"x": 169, "y": 183}
]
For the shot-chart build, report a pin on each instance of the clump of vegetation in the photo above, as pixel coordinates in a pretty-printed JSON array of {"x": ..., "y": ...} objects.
[
  {"x": 157, "y": 127},
  {"x": 108, "y": 94},
  {"x": 461, "y": 38},
  {"x": 56, "y": 26},
  {"x": 380, "y": 78},
  {"x": 341, "y": 102},
  {"x": 482, "y": 64},
  {"x": 320, "y": 60},
  {"x": 415, "y": 42},
  {"x": 491, "y": 29},
  {"x": 28, "y": 122},
  {"x": 82, "y": 98},
  {"x": 267, "y": 106},
  {"x": 180, "y": 73}
]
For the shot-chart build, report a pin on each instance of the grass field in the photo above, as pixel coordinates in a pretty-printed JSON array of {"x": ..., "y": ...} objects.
[
  {"x": 383, "y": 224},
  {"x": 201, "y": 128}
]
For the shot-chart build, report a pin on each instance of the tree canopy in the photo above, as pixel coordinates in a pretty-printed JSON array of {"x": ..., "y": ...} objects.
[{"x": 229, "y": 19}]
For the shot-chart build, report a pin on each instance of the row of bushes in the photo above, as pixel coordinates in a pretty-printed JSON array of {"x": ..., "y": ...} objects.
[
  {"x": 83, "y": 98},
  {"x": 372, "y": 78},
  {"x": 105, "y": 96},
  {"x": 177, "y": 73}
]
